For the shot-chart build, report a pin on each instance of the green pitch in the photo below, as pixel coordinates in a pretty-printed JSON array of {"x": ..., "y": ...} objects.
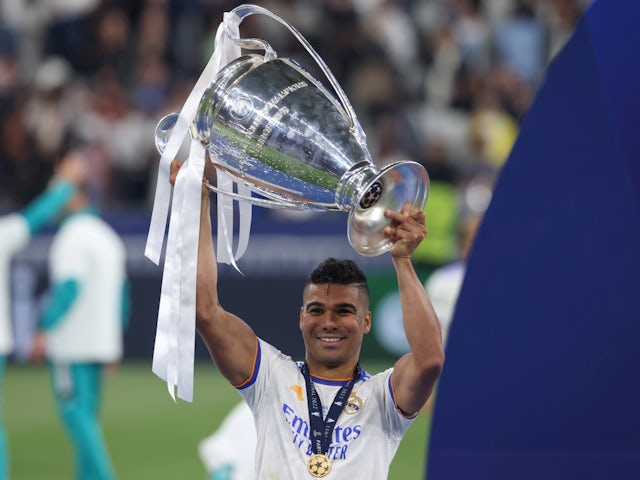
[{"x": 149, "y": 436}]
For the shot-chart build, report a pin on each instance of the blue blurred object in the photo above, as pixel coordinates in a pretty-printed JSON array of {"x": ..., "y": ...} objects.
[
  {"x": 541, "y": 379},
  {"x": 8, "y": 42}
]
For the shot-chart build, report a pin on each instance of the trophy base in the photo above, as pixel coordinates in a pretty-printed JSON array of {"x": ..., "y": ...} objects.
[{"x": 391, "y": 189}]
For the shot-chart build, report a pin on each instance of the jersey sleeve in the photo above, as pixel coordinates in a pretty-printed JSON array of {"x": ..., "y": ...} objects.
[
  {"x": 394, "y": 418},
  {"x": 268, "y": 361},
  {"x": 62, "y": 297},
  {"x": 46, "y": 206}
]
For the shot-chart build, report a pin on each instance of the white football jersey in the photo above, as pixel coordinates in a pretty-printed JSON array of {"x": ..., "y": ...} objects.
[
  {"x": 443, "y": 287},
  {"x": 88, "y": 250},
  {"x": 365, "y": 437},
  {"x": 232, "y": 446}
]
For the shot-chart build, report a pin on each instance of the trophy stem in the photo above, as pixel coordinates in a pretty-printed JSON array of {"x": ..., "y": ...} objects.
[{"x": 354, "y": 185}]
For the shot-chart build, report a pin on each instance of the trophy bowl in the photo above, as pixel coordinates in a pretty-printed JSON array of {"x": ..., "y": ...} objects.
[{"x": 274, "y": 127}]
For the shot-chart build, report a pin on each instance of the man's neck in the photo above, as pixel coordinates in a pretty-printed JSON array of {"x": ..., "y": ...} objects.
[{"x": 345, "y": 371}]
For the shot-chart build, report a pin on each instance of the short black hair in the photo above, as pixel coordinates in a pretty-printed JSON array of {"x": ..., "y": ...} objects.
[{"x": 339, "y": 272}]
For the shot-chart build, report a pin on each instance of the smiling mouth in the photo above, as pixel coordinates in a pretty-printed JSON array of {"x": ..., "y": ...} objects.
[{"x": 330, "y": 339}]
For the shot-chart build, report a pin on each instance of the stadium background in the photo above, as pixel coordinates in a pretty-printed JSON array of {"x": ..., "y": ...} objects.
[{"x": 444, "y": 82}]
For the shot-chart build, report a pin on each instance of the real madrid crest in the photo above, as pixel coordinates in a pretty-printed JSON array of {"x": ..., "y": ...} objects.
[{"x": 353, "y": 404}]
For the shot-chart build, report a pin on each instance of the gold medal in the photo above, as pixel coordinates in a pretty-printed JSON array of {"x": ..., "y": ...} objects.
[{"x": 319, "y": 465}]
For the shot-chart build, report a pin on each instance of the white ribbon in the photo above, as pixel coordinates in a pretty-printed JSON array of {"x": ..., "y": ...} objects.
[
  {"x": 224, "y": 52},
  {"x": 173, "y": 356},
  {"x": 175, "y": 334},
  {"x": 224, "y": 247}
]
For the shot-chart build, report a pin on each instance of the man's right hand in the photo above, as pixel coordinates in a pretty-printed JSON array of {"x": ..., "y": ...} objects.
[
  {"x": 38, "y": 347},
  {"x": 73, "y": 168},
  {"x": 174, "y": 168}
]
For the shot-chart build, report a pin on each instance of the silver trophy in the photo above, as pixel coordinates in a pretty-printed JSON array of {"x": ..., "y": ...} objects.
[{"x": 275, "y": 128}]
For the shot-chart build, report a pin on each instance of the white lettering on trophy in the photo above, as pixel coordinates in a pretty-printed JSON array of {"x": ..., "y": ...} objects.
[
  {"x": 267, "y": 130},
  {"x": 263, "y": 114}
]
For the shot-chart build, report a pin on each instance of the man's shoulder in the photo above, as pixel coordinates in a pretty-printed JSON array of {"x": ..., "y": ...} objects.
[
  {"x": 273, "y": 355},
  {"x": 376, "y": 378}
]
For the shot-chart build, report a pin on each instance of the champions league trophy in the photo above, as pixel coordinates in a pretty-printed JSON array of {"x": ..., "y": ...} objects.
[
  {"x": 275, "y": 128},
  {"x": 275, "y": 131}
]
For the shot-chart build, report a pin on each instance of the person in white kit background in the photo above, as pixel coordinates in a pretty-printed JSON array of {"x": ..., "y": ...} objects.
[
  {"x": 444, "y": 284},
  {"x": 228, "y": 453},
  {"x": 16, "y": 229},
  {"x": 82, "y": 325}
]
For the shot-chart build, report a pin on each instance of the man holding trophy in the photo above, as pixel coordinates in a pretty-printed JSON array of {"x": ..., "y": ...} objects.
[
  {"x": 326, "y": 414},
  {"x": 269, "y": 127}
]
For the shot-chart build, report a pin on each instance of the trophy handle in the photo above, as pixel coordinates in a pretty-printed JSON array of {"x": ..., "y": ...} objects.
[{"x": 245, "y": 10}]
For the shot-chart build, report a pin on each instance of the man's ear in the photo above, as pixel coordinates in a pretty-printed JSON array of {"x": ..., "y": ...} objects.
[{"x": 367, "y": 322}]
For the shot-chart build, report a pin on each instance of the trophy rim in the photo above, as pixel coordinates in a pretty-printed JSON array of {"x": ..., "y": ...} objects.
[{"x": 397, "y": 174}]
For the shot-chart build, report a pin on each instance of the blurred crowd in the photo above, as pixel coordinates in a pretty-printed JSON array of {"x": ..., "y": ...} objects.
[{"x": 442, "y": 82}]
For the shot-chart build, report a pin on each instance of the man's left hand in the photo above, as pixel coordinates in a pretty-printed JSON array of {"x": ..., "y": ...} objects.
[{"x": 406, "y": 231}]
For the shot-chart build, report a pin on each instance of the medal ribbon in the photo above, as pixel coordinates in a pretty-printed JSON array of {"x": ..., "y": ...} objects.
[{"x": 321, "y": 429}]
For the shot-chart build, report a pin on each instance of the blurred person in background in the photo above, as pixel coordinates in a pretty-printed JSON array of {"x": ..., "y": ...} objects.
[
  {"x": 426, "y": 59},
  {"x": 443, "y": 285},
  {"x": 81, "y": 327},
  {"x": 121, "y": 140},
  {"x": 16, "y": 229},
  {"x": 229, "y": 452},
  {"x": 36, "y": 128},
  {"x": 520, "y": 42}
]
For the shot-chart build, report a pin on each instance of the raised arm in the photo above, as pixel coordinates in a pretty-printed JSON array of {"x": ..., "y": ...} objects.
[
  {"x": 231, "y": 342},
  {"x": 415, "y": 373}
]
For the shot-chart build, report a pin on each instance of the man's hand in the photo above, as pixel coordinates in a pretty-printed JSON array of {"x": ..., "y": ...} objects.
[
  {"x": 406, "y": 231},
  {"x": 174, "y": 168},
  {"x": 38, "y": 347},
  {"x": 73, "y": 168}
]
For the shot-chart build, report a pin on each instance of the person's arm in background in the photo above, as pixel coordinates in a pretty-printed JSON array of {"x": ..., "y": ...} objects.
[
  {"x": 48, "y": 205},
  {"x": 45, "y": 208},
  {"x": 62, "y": 296},
  {"x": 16, "y": 229}
]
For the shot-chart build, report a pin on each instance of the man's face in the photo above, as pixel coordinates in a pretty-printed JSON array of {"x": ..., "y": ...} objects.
[{"x": 333, "y": 321}]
